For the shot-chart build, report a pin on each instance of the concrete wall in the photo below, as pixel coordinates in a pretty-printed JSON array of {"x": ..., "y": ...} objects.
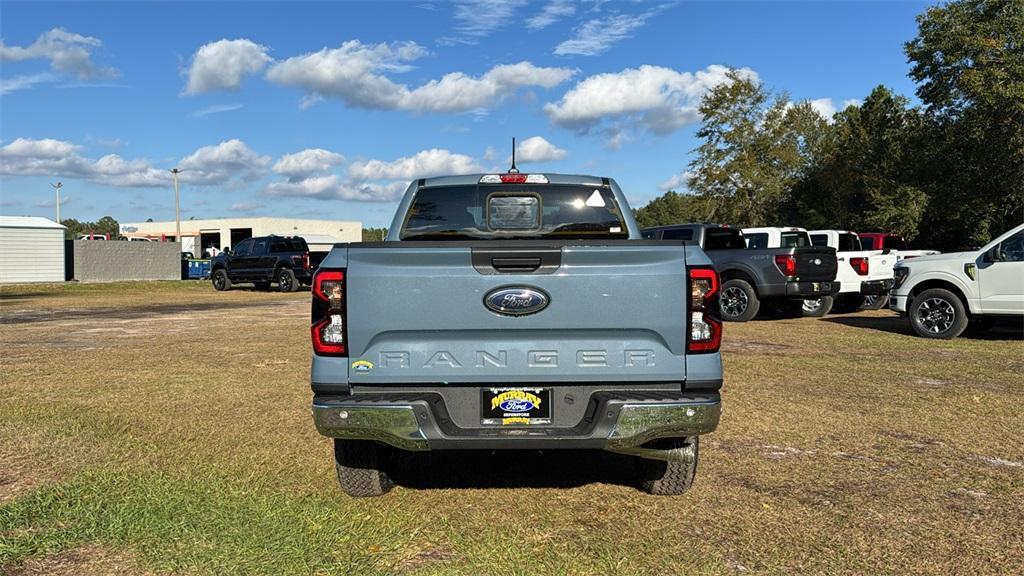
[{"x": 110, "y": 261}]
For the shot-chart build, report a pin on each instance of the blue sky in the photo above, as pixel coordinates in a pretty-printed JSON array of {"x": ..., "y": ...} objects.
[{"x": 327, "y": 110}]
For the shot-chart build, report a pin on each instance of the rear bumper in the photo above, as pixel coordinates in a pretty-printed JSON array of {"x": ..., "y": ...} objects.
[
  {"x": 811, "y": 289},
  {"x": 873, "y": 287},
  {"x": 614, "y": 422}
]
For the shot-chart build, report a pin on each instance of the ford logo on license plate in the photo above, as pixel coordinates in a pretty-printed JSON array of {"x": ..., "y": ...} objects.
[{"x": 516, "y": 300}]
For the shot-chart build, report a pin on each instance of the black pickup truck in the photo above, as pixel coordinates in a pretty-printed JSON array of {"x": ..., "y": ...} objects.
[
  {"x": 779, "y": 277},
  {"x": 262, "y": 260}
]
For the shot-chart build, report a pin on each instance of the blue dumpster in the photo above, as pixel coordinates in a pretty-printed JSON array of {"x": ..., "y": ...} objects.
[{"x": 198, "y": 269}]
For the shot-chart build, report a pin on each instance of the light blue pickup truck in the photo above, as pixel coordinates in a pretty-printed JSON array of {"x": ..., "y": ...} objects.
[{"x": 516, "y": 311}]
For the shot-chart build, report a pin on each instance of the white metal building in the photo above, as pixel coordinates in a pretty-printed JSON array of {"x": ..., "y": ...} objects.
[
  {"x": 197, "y": 236},
  {"x": 31, "y": 250}
]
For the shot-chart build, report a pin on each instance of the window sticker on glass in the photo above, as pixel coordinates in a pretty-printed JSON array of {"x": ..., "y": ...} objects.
[
  {"x": 596, "y": 200},
  {"x": 513, "y": 212}
]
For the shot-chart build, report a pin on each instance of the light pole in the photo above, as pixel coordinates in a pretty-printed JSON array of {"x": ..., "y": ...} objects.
[
  {"x": 57, "y": 187},
  {"x": 177, "y": 207}
]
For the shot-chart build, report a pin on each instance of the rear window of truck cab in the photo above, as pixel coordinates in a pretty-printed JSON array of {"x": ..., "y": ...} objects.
[
  {"x": 513, "y": 211},
  {"x": 288, "y": 245},
  {"x": 723, "y": 239}
]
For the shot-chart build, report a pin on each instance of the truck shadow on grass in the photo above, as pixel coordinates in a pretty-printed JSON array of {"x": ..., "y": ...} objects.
[
  {"x": 485, "y": 469},
  {"x": 1003, "y": 330}
]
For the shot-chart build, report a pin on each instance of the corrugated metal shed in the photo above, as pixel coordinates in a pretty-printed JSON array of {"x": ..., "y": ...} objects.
[{"x": 31, "y": 250}]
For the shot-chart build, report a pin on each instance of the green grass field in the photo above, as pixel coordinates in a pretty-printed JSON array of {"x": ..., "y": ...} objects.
[{"x": 165, "y": 428}]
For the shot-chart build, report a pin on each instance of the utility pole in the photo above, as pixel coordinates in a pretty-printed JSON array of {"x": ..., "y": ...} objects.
[
  {"x": 57, "y": 187},
  {"x": 177, "y": 207}
]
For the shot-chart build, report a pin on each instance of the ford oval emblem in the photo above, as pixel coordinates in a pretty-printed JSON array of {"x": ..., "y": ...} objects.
[
  {"x": 817, "y": 261},
  {"x": 517, "y": 405},
  {"x": 516, "y": 301}
]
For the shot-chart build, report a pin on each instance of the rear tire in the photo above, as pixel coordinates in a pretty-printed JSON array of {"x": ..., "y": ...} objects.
[
  {"x": 874, "y": 302},
  {"x": 738, "y": 301},
  {"x": 938, "y": 313},
  {"x": 286, "y": 281},
  {"x": 362, "y": 467},
  {"x": 665, "y": 478},
  {"x": 220, "y": 280},
  {"x": 817, "y": 307}
]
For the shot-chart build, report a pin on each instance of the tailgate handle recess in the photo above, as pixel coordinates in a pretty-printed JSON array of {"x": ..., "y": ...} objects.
[{"x": 516, "y": 261}]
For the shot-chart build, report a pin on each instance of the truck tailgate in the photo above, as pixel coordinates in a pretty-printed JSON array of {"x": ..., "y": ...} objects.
[
  {"x": 616, "y": 311},
  {"x": 815, "y": 263}
]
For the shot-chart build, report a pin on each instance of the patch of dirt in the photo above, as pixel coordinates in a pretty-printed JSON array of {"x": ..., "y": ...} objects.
[
  {"x": 752, "y": 346},
  {"x": 83, "y": 561},
  {"x": 932, "y": 382},
  {"x": 997, "y": 462},
  {"x": 780, "y": 452},
  {"x": 428, "y": 554}
]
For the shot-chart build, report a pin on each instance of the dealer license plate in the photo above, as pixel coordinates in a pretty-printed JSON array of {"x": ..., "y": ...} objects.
[{"x": 515, "y": 406}]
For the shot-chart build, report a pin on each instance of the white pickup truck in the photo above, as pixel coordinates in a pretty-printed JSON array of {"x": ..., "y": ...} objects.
[
  {"x": 864, "y": 276},
  {"x": 790, "y": 237},
  {"x": 942, "y": 294}
]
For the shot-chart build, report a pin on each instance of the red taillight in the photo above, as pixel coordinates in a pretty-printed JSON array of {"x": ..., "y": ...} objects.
[
  {"x": 860, "y": 265},
  {"x": 305, "y": 261},
  {"x": 329, "y": 326},
  {"x": 786, "y": 264},
  {"x": 705, "y": 328}
]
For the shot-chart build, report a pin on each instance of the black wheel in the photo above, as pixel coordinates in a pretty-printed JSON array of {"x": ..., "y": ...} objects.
[
  {"x": 738, "y": 301},
  {"x": 874, "y": 302},
  {"x": 938, "y": 313},
  {"x": 362, "y": 467},
  {"x": 286, "y": 281},
  {"x": 220, "y": 279},
  {"x": 671, "y": 478},
  {"x": 817, "y": 307},
  {"x": 262, "y": 285}
]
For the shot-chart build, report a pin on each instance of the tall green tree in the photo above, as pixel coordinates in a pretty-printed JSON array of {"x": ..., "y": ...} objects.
[
  {"x": 671, "y": 208},
  {"x": 756, "y": 146},
  {"x": 968, "y": 61},
  {"x": 864, "y": 171}
]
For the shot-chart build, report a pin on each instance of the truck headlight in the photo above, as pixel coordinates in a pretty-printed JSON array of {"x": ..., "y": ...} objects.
[{"x": 899, "y": 274}]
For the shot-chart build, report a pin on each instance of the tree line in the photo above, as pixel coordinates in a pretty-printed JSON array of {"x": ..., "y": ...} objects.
[{"x": 946, "y": 174}]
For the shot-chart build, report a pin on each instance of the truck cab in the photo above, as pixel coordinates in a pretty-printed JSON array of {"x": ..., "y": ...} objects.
[
  {"x": 516, "y": 311},
  {"x": 943, "y": 294},
  {"x": 894, "y": 243}
]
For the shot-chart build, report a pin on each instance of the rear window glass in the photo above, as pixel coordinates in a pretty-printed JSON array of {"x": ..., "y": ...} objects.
[
  {"x": 795, "y": 239},
  {"x": 677, "y": 234},
  {"x": 757, "y": 241},
  {"x": 288, "y": 245},
  {"x": 848, "y": 243},
  {"x": 723, "y": 239},
  {"x": 509, "y": 211},
  {"x": 819, "y": 239},
  {"x": 648, "y": 234},
  {"x": 895, "y": 243},
  {"x": 867, "y": 243}
]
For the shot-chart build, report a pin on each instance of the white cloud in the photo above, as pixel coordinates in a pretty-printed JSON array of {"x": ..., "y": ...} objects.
[
  {"x": 554, "y": 11},
  {"x": 25, "y": 81},
  {"x": 423, "y": 164},
  {"x": 216, "y": 109},
  {"x": 354, "y": 74},
  {"x": 660, "y": 99},
  {"x": 67, "y": 52},
  {"x": 302, "y": 165},
  {"x": 222, "y": 163},
  {"x": 351, "y": 72},
  {"x": 331, "y": 187},
  {"x": 212, "y": 165},
  {"x": 221, "y": 65},
  {"x": 678, "y": 182},
  {"x": 537, "y": 149},
  {"x": 852, "y": 102},
  {"x": 599, "y": 35},
  {"x": 824, "y": 107},
  {"x": 475, "y": 19}
]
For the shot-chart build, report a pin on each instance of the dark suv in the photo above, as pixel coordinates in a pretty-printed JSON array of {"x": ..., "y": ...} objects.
[{"x": 262, "y": 260}]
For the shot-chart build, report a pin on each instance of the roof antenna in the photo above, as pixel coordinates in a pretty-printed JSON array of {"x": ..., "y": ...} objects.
[{"x": 513, "y": 169}]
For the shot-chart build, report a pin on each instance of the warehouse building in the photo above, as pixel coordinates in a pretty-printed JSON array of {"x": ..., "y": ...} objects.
[
  {"x": 199, "y": 236},
  {"x": 31, "y": 250}
]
